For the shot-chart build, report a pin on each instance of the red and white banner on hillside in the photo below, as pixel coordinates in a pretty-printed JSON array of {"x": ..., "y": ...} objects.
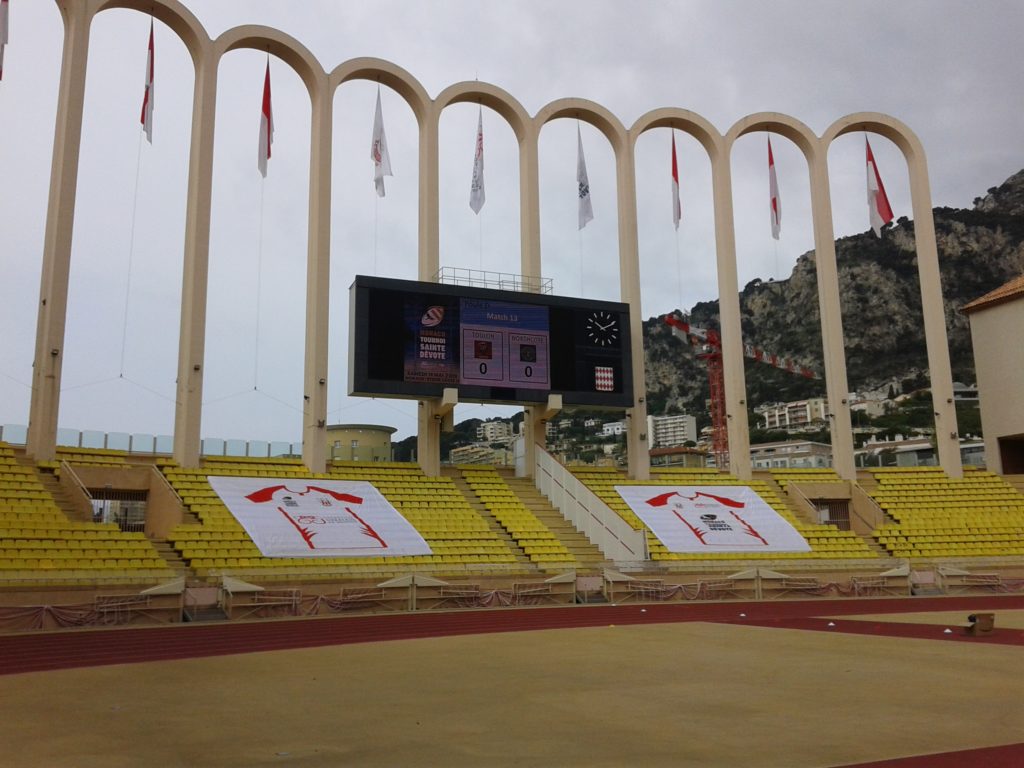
[
  {"x": 712, "y": 518},
  {"x": 289, "y": 517}
]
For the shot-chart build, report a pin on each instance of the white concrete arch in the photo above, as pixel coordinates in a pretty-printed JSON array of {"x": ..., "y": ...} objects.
[
  {"x": 415, "y": 95},
  {"x": 830, "y": 310},
  {"x": 775, "y": 122},
  {"x": 277, "y": 43},
  {"x": 718, "y": 148},
  {"x": 947, "y": 436},
  {"x": 682, "y": 120},
  {"x": 385, "y": 73},
  {"x": 318, "y": 255},
  {"x": 509, "y": 108},
  {"x": 491, "y": 96},
  {"x": 589, "y": 112},
  {"x": 629, "y": 257},
  {"x": 501, "y": 101},
  {"x": 52, "y": 318},
  {"x": 174, "y": 14}
]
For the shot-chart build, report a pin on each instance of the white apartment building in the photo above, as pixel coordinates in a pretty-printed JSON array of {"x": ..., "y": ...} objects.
[
  {"x": 613, "y": 428},
  {"x": 793, "y": 414},
  {"x": 494, "y": 431},
  {"x": 669, "y": 431}
]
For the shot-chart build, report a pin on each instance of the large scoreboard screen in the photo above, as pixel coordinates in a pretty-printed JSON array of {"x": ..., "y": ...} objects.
[{"x": 412, "y": 339}]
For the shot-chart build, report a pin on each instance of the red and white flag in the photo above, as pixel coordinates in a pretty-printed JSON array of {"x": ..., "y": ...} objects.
[
  {"x": 476, "y": 187},
  {"x": 266, "y": 127},
  {"x": 878, "y": 202},
  {"x": 677, "y": 207},
  {"x": 147, "y": 97},
  {"x": 379, "y": 150},
  {"x": 773, "y": 191},
  {"x": 4, "y": 29},
  {"x": 586, "y": 207}
]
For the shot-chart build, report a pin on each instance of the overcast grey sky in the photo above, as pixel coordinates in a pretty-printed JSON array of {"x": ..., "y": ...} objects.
[{"x": 949, "y": 70}]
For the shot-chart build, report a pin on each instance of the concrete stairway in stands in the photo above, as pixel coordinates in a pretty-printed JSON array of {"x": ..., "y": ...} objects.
[
  {"x": 1017, "y": 481},
  {"x": 522, "y": 558},
  {"x": 173, "y": 559},
  {"x": 590, "y": 558},
  {"x": 52, "y": 486}
]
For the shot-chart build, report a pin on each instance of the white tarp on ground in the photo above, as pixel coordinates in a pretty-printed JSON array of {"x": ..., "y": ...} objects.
[
  {"x": 289, "y": 517},
  {"x": 712, "y": 518}
]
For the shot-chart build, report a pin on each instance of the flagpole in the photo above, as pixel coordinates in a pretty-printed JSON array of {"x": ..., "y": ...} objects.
[
  {"x": 579, "y": 234},
  {"x": 131, "y": 252},
  {"x": 259, "y": 289},
  {"x": 376, "y": 208},
  {"x": 679, "y": 271}
]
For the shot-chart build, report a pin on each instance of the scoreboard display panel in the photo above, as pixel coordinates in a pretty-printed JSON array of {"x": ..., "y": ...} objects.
[{"x": 412, "y": 339}]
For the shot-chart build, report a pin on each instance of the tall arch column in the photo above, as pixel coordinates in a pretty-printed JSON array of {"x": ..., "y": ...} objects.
[
  {"x": 833, "y": 349},
  {"x": 428, "y": 419},
  {"x": 192, "y": 334},
  {"x": 637, "y": 453},
  {"x": 60, "y": 219},
  {"x": 729, "y": 318},
  {"x": 530, "y": 266},
  {"x": 318, "y": 280},
  {"x": 947, "y": 436}
]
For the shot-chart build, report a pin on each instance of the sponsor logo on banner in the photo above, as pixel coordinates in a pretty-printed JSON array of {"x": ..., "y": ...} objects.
[
  {"x": 432, "y": 316},
  {"x": 691, "y": 519},
  {"x": 289, "y": 517}
]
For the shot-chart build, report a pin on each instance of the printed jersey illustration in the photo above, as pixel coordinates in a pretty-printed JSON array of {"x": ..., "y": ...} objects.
[
  {"x": 713, "y": 520},
  {"x": 320, "y": 512}
]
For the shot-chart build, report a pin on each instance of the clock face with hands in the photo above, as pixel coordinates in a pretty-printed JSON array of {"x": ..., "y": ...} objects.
[{"x": 602, "y": 329}]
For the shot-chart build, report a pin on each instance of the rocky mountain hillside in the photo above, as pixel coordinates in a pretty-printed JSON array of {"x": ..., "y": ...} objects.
[{"x": 979, "y": 250}]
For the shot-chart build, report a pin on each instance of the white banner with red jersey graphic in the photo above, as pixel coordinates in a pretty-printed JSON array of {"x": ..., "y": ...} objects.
[
  {"x": 289, "y": 517},
  {"x": 712, "y": 518}
]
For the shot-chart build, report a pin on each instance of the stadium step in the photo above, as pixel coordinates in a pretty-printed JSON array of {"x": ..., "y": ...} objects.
[
  {"x": 73, "y": 511},
  {"x": 1017, "y": 481},
  {"x": 587, "y": 554},
  {"x": 494, "y": 525},
  {"x": 173, "y": 559}
]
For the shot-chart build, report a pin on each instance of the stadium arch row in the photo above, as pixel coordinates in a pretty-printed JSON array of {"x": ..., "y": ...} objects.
[{"x": 321, "y": 85}]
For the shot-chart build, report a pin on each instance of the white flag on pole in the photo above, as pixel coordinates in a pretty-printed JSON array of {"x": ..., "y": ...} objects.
[
  {"x": 773, "y": 191},
  {"x": 879, "y": 210},
  {"x": 476, "y": 188},
  {"x": 266, "y": 126},
  {"x": 586, "y": 212},
  {"x": 147, "y": 97},
  {"x": 4, "y": 32},
  {"x": 379, "y": 150},
  {"x": 677, "y": 207}
]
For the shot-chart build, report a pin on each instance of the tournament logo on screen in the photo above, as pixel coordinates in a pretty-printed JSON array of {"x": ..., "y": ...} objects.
[{"x": 430, "y": 352}]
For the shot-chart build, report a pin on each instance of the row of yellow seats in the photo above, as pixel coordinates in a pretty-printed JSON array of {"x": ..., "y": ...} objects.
[
  {"x": 56, "y": 533},
  {"x": 57, "y": 564}
]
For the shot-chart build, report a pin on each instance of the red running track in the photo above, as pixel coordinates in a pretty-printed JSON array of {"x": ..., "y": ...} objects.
[{"x": 36, "y": 651}]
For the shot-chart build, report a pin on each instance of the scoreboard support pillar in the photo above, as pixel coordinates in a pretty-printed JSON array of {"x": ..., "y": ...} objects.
[
  {"x": 535, "y": 426},
  {"x": 436, "y": 415}
]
